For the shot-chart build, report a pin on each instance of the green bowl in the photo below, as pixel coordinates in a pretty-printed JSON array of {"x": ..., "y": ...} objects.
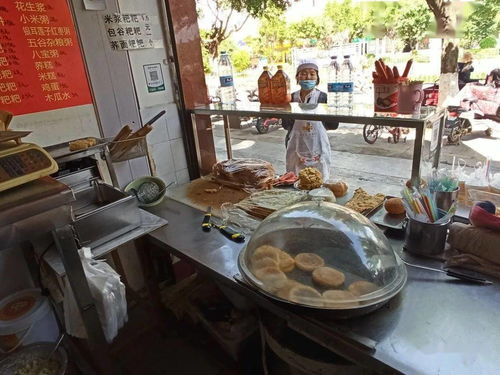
[{"x": 139, "y": 181}]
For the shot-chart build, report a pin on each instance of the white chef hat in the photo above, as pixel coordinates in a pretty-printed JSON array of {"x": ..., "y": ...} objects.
[{"x": 307, "y": 64}]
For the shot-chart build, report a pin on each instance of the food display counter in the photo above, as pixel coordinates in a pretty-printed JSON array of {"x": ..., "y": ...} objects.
[
  {"x": 360, "y": 114},
  {"x": 435, "y": 325}
]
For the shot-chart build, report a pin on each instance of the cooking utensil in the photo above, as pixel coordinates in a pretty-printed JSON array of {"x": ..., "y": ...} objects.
[
  {"x": 148, "y": 190},
  {"x": 56, "y": 346},
  {"x": 455, "y": 274},
  {"x": 230, "y": 233},
  {"x": 205, "y": 225}
]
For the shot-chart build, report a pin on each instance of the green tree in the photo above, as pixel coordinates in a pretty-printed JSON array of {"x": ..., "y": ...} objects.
[
  {"x": 241, "y": 60},
  {"x": 307, "y": 29},
  {"x": 411, "y": 24},
  {"x": 275, "y": 37},
  {"x": 223, "y": 13},
  {"x": 484, "y": 22},
  {"x": 343, "y": 16}
]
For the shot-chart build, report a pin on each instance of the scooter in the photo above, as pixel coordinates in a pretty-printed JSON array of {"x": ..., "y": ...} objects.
[{"x": 263, "y": 125}]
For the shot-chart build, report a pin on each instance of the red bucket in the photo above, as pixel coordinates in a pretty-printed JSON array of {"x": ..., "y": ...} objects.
[{"x": 386, "y": 97}]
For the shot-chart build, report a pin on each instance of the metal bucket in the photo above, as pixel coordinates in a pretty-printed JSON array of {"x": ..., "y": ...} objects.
[
  {"x": 444, "y": 199},
  {"x": 425, "y": 238}
]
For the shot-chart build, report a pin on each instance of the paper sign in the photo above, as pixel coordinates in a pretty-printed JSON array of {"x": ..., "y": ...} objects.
[
  {"x": 41, "y": 67},
  {"x": 154, "y": 77},
  {"x": 129, "y": 31}
]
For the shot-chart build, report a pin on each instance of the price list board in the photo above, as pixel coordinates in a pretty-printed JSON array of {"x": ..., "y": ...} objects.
[{"x": 41, "y": 67}]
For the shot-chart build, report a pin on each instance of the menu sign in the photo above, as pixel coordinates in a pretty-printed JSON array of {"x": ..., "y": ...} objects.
[
  {"x": 129, "y": 31},
  {"x": 41, "y": 66}
]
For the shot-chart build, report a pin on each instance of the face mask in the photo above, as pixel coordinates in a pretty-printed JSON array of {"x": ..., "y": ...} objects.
[{"x": 307, "y": 84}]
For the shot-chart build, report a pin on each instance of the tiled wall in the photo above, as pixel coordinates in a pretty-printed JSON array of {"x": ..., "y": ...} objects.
[{"x": 165, "y": 142}]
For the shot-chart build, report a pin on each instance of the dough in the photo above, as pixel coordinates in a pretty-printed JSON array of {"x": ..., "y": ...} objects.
[
  {"x": 362, "y": 287},
  {"x": 310, "y": 178},
  {"x": 328, "y": 277},
  {"x": 286, "y": 262},
  {"x": 264, "y": 262},
  {"x": 266, "y": 251},
  {"x": 272, "y": 278},
  {"x": 306, "y": 295},
  {"x": 335, "y": 298},
  {"x": 308, "y": 261},
  {"x": 394, "y": 206},
  {"x": 284, "y": 292}
]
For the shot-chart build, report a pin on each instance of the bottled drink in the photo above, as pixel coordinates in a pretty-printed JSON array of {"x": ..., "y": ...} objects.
[
  {"x": 225, "y": 70},
  {"x": 333, "y": 79},
  {"x": 264, "y": 84},
  {"x": 280, "y": 87},
  {"x": 346, "y": 78}
]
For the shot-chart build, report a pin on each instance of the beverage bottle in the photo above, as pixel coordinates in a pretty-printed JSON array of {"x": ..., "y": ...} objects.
[
  {"x": 264, "y": 85},
  {"x": 346, "y": 79},
  {"x": 333, "y": 79},
  {"x": 225, "y": 70},
  {"x": 280, "y": 87}
]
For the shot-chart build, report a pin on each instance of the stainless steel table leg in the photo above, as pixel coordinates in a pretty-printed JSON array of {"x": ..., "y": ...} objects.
[
  {"x": 417, "y": 153},
  {"x": 68, "y": 251},
  {"x": 227, "y": 135}
]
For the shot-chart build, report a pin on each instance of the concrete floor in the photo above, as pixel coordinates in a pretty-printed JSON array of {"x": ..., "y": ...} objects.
[{"x": 381, "y": 167}]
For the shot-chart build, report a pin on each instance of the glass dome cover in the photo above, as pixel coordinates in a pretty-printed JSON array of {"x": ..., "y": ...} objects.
[{"x": 322, "y": 255}]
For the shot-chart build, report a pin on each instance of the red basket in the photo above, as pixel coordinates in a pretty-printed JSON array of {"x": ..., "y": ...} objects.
[{"x": 431, "y": 95}]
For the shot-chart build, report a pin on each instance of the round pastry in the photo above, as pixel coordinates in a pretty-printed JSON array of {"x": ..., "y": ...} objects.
[
  {"x": 423, "y": 183},
  {"x": 362, "y": 287},
  {"x": 310, "y": 178},
  {"x": 306, "y": 295},
  {"x": 266, "y": 251},
  {"x": 335, "y": 298},
  {"x": 339, "y": 189},
  {"x": 308, "y": 261},
  {"x": 394, "y": 206},
  {"x": 284, "y": 292},
  {"x": 286, "y": 262},
  {"x": 264, "y": 262},
  {"x": 272, "y": 278},
  {"x": 328, "y": 277}
]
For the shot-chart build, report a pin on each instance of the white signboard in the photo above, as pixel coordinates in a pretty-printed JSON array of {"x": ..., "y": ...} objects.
[{"x": 129, "y": 31}]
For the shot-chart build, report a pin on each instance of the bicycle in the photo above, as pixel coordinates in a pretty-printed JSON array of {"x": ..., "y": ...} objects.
[{"x": 372, "y": 132}]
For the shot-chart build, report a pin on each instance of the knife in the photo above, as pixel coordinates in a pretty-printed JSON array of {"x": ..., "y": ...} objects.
[{"x": 206, "y": 225}]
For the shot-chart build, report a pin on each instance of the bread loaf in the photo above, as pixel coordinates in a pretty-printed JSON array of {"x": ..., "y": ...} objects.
[{"x": 244, "y": 173}]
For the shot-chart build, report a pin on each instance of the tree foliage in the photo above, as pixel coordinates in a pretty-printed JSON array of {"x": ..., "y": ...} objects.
[
  {"x": 307, "y": 29},
  {"x": 241, "y": 60},
  {"x": 345, "y": 17},
  {"x": 484, "y": 22},
  {"x": 274, "y": 35},
  {"x": 410, "y": 23}
]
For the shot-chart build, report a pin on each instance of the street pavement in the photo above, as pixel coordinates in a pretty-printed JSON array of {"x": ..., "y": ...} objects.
[{"x": 381, "y": 167}]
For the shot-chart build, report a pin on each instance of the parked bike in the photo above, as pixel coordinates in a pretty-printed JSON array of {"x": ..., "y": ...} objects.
[
  {"x": 263, "y": 125},
  {"x": 372, "y": 132}
]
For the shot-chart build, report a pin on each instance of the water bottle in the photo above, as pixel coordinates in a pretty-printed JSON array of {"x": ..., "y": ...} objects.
[
  {"x": 225, "y": 70},
  {"x": 346, "y": 78},
  {"x": 333, "y": 79}
]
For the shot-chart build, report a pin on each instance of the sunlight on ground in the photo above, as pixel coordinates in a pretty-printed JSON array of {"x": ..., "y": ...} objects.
[{"x": 243, "y": 145}]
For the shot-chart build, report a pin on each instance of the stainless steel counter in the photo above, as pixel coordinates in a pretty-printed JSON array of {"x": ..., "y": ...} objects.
[{"x": 436, "y": 325}]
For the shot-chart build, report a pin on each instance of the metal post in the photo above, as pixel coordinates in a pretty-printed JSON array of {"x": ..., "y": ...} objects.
[
  {"x": 196, "y": 140},
  {"x": 417, "y": 153},
  {"x": 227, "y": 135},
  {"x": 437, "y": 153}
]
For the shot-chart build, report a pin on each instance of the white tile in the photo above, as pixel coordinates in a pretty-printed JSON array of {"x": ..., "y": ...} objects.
[
  {"x": 173, "y": 122},
  {"x": 182, "y": 176},
  {"x": 162, "y": 157},
  {"x": 178, "y": 153},
  {"x": 168, "y": 178},
  {"x": 140, "y": 167}
]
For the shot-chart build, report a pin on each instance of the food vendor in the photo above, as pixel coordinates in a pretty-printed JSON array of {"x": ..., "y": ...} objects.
[{"x": 307, "y": 143}]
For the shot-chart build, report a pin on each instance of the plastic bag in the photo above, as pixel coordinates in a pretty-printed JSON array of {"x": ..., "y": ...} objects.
[
  {"x": 108, "y": 293},
  {"x": 247, "y": 174}
]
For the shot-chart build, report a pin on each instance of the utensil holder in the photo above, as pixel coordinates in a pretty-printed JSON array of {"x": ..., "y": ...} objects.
[
  {"x": 128, "y": 149},
  {"x": 426, "y": 239},
  {"x": 445, "y": 199}
]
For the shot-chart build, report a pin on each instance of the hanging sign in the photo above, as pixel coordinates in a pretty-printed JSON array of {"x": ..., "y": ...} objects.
[
  {"x": 129, "y": 31},
  {"x": 41, "y": 66}
]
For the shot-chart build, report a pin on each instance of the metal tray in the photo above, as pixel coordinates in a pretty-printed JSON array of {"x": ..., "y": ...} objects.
[
  {"x": 62, "y": 154},
  {"x": 380, "y": 216}
]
